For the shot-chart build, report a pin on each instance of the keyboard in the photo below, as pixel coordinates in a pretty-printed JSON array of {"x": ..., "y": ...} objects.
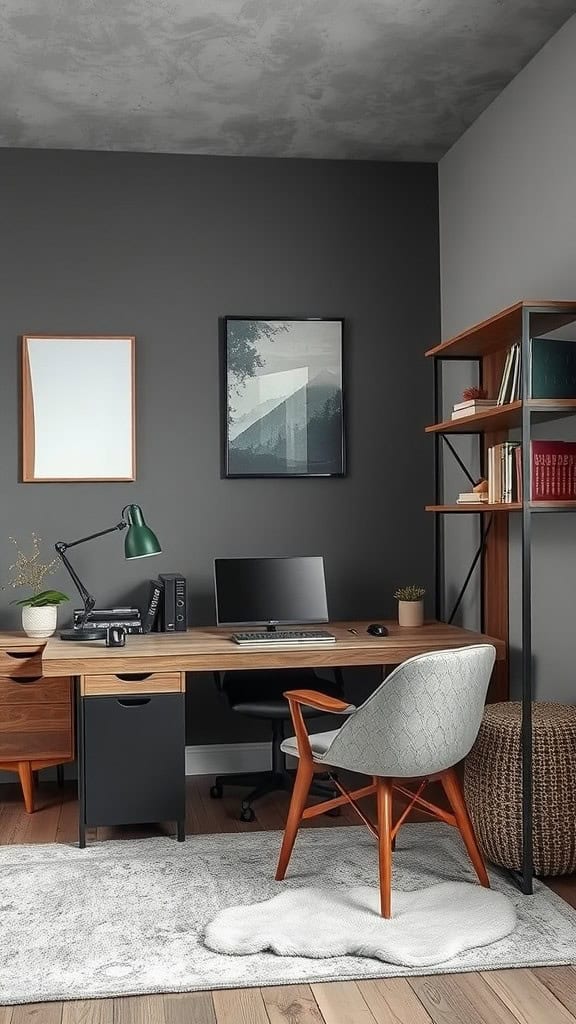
[{"x": 279, "y": 636}]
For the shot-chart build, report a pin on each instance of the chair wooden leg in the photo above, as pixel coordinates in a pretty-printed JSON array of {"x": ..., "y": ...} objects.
[
  {"x": 384, "y": 807},
  {"x": 27, "y": 783},
  {"x": 453, "y": 790},
  {"x": 302, "y": 783}
]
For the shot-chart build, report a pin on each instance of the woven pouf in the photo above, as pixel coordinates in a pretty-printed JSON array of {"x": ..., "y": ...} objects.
[{"x": 493, "y": 786}]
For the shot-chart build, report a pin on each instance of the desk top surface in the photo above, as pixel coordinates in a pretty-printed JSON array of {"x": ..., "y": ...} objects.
[{"x": 210, "y": 648}]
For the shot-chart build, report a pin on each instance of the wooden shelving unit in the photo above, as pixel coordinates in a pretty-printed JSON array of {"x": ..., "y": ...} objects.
[{"x": 486, "y": 344}]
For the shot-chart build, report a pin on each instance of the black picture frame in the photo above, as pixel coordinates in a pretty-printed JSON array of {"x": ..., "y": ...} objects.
[{"x": 296, "y": 436}]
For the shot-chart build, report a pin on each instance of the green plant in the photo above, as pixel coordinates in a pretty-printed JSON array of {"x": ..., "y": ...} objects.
[
  {"x": 30, "y": 571},
  {"x": 410, "y": 593},
  {"x": 42, "y": 599}
]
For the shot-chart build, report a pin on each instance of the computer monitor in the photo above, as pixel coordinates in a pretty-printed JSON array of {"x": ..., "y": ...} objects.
[{"x": 270, "y": 591}]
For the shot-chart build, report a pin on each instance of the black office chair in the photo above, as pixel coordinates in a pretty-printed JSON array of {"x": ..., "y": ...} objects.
[{"x": 259, "y": 694}]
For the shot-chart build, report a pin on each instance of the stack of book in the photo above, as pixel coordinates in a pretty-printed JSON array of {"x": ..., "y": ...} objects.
[
  {"x": 504, "y": 473},
  {"x": 472, "y": 497},
  {"x": 102, "y": 618},
  {"x": 510, "y": 385},
  {"x": 471, "y": 407}
]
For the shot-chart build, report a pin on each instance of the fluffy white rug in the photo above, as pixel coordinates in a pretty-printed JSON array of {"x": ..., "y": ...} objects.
[
  {"x": 429, "y": 926},
  {"x": 128, "y": 917}
]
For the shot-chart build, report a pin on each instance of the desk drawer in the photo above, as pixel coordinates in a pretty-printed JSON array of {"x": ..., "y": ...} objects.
[
  {"x": 132, "y": 682},
  {"x": 21, "y": 661},
  {"x": 34, "y": 690},
  {"x": 29, "y": 731}
]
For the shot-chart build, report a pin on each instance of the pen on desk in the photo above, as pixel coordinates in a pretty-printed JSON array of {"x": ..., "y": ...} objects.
[{"x": 355, "y": 631}]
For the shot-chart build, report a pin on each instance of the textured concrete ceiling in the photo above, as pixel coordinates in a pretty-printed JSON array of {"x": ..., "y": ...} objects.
[{"x": 364, "y": 79}]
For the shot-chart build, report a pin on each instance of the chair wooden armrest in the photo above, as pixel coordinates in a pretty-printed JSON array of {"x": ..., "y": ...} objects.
[
  {"x": 321, "y": 701},
  {"x": 312, "y": 699}
]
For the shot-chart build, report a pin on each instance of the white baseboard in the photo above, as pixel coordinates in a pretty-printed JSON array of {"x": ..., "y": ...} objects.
[{"x": 226, "y": 758}]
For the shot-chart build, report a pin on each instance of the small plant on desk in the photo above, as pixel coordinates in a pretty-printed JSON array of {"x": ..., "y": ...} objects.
[
  {"x": 40, "y": 609},
  {"x": 410, "y": 605}
]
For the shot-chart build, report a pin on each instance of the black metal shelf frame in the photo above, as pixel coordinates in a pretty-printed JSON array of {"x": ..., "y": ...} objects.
[{"x": 525, "y": 877}]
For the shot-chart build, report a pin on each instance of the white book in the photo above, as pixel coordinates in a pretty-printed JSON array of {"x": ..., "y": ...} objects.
[
  {"x": 515, "y": 389},
  {"x": 471, "y": 410},
  {"x": 484, "y": 402},
  {"x": 505, "y": 377}
]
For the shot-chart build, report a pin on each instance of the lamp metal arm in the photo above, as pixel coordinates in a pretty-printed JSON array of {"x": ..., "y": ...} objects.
[{"x": 62, "y": 546}]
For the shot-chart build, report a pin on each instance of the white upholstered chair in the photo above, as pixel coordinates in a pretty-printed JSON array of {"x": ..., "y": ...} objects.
[{"x": 420, "y": 722}]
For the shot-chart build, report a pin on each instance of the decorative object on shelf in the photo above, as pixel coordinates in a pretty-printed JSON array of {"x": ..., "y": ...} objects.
[
  {"x": 474, "y": 394},
  {"x": 493, "y": 786},
  {"x": 410, "y": 605},
  {"x": 40, "y": 609},
  {"x": 283, "y": 397},
  {"x": 139, "y": 543},
  {"x": 78, "y": 408}
]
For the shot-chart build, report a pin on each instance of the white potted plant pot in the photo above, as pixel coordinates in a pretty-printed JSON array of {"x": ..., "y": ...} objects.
[
  {"x": 39, "y": 622},
  {"x": 410, "y": 613}
]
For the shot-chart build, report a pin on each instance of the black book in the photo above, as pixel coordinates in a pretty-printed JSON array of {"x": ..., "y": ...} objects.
[
  {"x": 553, "y": 368},
  {"x": 151, "y": 614},
  {"x": 110, "y": 614}
]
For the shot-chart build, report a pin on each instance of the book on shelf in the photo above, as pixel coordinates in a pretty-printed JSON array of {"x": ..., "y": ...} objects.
[
  {"x": 553, "y": 465},
  {"x": 472, "y": 497},
  {"x": 472, "y": 407},
  {"x": 553, "y": 368},
  {"x": 502, "y": 475},
  {"x": 510, "y": 383}
]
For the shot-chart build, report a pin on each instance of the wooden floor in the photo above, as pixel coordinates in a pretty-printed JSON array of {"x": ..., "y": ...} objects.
[{"x": 540, "y": 996}]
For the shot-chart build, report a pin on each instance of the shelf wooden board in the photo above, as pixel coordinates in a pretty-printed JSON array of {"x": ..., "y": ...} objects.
[
  {"x": 511, "y": 506},
  {"x": 480, "y": 506},
  {"x": 504, "y": 417},
  {"x": 505, "y": 328}
]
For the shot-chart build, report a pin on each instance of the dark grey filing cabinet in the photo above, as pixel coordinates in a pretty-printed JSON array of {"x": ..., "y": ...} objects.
[{"x": 131, "y": 750}]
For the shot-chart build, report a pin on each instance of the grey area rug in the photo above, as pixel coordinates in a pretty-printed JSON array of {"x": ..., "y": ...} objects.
[{"x": 127, "y": 918}]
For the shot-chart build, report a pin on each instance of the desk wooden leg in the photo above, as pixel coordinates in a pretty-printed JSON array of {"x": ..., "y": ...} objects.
[{"x": 27, "y": 783}]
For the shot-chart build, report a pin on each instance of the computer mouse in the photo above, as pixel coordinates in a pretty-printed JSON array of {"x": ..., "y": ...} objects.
[{"x": 377, "y": 629}]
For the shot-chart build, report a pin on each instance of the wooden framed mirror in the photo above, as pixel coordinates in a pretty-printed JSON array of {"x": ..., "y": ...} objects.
[{"x": 78, "y": 408}]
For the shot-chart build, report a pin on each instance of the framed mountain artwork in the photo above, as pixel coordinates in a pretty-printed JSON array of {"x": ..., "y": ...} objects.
[{"x": 283, "y": 410}]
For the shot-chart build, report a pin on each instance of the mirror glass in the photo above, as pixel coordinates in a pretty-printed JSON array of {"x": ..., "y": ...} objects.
[{"x": 78, "y": 408}]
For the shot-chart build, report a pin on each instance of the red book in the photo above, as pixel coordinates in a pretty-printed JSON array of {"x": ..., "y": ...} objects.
[{"x": 553, "y": 470}]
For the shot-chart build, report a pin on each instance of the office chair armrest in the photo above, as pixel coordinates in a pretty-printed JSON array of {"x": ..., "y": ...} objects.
[{"x": 321, "y": 701}]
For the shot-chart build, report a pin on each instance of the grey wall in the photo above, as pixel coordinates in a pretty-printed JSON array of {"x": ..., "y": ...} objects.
[
  {"x": 161, "y": 246},
  {"x": 508, "y": 231}
]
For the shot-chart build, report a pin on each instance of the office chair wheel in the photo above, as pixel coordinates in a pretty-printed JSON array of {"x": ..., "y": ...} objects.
[
  {"x": 247, "y": 814},
  {"x": 216, "y": 792}
]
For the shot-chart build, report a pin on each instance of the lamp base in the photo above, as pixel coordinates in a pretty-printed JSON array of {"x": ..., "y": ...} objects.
[{"x": 83, "y": 634}]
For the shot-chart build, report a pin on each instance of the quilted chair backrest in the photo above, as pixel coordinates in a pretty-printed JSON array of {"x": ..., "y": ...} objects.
[{"x": 422, "y": 719}]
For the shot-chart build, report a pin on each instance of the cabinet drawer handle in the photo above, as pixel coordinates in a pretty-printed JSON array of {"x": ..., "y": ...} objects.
[
  {"x": 133, "y": 677},
  {"x": 20, "y": 655},
  {"x": 133, "y": 702},
  {"x": 25, "y": 680}
]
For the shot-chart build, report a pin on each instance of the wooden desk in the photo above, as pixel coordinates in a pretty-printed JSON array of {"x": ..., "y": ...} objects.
[
  {"x": 119, "y": 749},
  {"x": 209, "y": 649}
]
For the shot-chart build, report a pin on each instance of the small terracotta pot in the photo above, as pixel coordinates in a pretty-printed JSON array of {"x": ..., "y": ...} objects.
[{"x": 411, "y": 613}]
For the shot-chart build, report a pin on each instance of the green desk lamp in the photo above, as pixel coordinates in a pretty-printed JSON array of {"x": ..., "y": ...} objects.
[{"x": 139, "y": 543}]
